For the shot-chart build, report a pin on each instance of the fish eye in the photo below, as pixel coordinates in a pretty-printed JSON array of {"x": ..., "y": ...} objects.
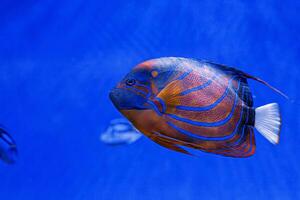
[{"x": 130, "y": 82}]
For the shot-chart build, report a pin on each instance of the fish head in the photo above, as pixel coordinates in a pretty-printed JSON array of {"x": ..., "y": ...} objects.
[
  {"x": 132, "y": 92},
  {"x": 131, "y": 96},
  {"x": 135, "y": 96},
  {"x": 137, "y": 87}
]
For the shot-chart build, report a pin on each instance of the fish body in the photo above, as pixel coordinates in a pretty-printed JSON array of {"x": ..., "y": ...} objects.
[
  {"x": 8, "y": 149},
  {"x": 193, "y": 103},
  {"x": 120, "y": 131}
]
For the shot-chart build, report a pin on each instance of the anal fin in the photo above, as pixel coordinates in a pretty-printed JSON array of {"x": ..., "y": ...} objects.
[
  {"x": 168, "y": 143},
  {"x": 241, "y": 148}
]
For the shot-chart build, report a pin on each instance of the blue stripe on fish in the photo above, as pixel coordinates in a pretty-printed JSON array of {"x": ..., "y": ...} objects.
[
  {"x": 209, "y": 107},
  {"x": 193, "y": 135},
  {"x": 243, "y": 133},
  {"x": 147, "y": 87},
  {"x": 229, "y": 147},
  {"x": 245, "y": 145},
  {"x": 200, "y": 87},
  {"x": 155, "y": 108},
  {"x": 185, "y": 74},
  {"x": 240, "y": 138},
  {"x": 162, "y": 104},
  {"x": 209, "y": 124},
  {"x": 247, "y": 115},
  {"x": 241, "y": 151}
]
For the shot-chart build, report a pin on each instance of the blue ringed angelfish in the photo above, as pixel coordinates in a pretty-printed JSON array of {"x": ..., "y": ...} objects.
[{"x": 181, "y": 102}]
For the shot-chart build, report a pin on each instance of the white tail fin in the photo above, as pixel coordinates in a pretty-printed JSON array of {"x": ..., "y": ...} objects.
[{"x": 268, "y": 121}]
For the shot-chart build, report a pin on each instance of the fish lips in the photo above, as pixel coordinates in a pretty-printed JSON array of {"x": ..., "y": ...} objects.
[{"x": 127, "y": 100}]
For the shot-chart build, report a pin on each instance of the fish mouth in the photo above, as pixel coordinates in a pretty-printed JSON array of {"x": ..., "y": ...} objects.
[{"x": 124, "y": 99}]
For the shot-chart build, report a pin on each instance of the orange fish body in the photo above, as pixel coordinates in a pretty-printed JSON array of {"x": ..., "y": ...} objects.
[{"x": 179, "y": 102}]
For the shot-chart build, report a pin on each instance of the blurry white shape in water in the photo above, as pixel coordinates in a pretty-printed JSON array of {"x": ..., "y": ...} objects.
[{"x": 120, "y": 131}]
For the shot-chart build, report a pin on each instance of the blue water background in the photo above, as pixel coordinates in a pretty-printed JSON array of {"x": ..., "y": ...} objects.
[{"x": 59, "y": 59}]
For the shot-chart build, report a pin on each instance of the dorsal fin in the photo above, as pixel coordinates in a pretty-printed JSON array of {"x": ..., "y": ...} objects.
[
  {"x": 267, "y": 84},
  {"x": 245, "y": 75}
]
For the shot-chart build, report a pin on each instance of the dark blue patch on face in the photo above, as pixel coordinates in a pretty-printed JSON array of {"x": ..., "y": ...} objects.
[
  {"x": 139, "y": 75},
  {"x": 125, "y": 99}
]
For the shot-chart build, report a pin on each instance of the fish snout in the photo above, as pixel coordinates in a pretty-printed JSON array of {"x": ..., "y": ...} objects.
[
  {"x": 124, "y": 99},
  {"x": 115, "y": 96}
]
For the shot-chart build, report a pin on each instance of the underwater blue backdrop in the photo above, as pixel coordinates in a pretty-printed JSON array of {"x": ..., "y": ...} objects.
[{"x": 59, "y": 59}]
